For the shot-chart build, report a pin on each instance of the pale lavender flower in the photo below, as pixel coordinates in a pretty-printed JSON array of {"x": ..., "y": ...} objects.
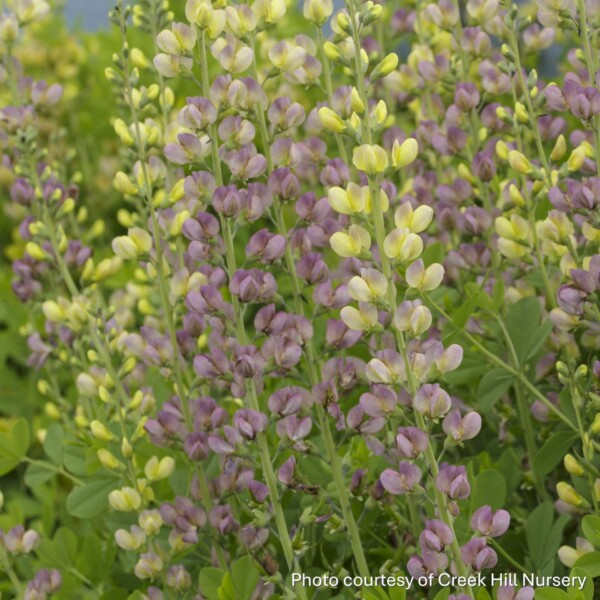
[
  {"x": 401, "y": 481},
  {"x": 488, "y": 523},
  {"x": 461, "y": 428}
]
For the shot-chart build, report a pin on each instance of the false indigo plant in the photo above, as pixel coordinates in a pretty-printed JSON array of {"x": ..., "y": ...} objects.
[{"x": 333, "y": 332}]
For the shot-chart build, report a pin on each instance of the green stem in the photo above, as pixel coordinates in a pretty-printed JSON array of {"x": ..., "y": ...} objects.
[
  {"x": 524, "y": 412},
  {"x": 329, "y": 87},
  {"x": 498, "y": 361},
  {"x": 12, "y": 575}
]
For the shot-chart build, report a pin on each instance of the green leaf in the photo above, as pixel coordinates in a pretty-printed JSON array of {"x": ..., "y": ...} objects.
[
  {"x": 493, "y": 385},
  {"x": 397, "y": 593},
  {"x": 464, "y": 311},
  {"x": 245, "y": 577},
  {"x": 552, "y": 452},
  {"x": 53, "y": 443},
  {"x": 226, "y": 590},
  {"x": 538, "y": 338},
  {"x": 543, "y": 535},
  {"x": 591, "y": 529},
  {"x": 489, "y": 488},
  {"x": 587, "y": 593},
  {"x": 61, "y": 551},
  {"x": 434, "y": 253},
  {"x": 442, "y": 594},
  {"x": 91, "y": 499},
  {"x": 90, "y": 559},
  {"x": 209, "y": 581},
  {"x": 38, "y": 473},
  {"x": 549, "y": 593},
  {"x": 590, "y": 563},
  {"x": 522, "y": 320},
  {"x": 73, "y": 457},
  {"x": 15, "y": 443},
  {"x": 375, "y": 593}
]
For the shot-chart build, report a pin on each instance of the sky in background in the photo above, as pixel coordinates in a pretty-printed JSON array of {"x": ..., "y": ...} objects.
[{"x": 91, "y": 14}]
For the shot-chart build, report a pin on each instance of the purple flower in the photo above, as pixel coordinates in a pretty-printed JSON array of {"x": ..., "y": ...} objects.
[
  {"x": 411, "y": 441},
  {"x": 488, "y": 523},
  {"x": 478, "y": 555},
  {"x": 249, "y": 422},
  {"x": 461, "y": 428},
  {"x": 431, "y": 400},
  {"x": 508, "y": 592},
  {"x": 379, "y": 402},
  {"x": 253, "y": 285},
  {"x": 401, "y": 481},
  {"x": 267, "y": 246},
  {"x": 436, "y": 536},
  {"x": 452, "y": 481}
]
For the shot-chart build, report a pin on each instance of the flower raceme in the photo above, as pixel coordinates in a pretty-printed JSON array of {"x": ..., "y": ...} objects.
[{"x": 308, "y": 221}]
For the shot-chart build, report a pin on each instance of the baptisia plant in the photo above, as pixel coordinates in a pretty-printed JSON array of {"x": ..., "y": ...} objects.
[{"x": 338, "y": 313}]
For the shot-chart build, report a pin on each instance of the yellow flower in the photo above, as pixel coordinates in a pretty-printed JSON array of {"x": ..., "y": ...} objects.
[
  {"x": 156, "y": 470},
  {"x": 351, "y": 201},
  {"x": 331, "y": 120},
  {"x": 370, "y": 159},
  {"x": 404, "y": 154},
  {"x": 361, "y": 319},
  {"x": 352, "y": 243},
  {"x": 126, "y": 499},
  {"x": 371, "y": 284},
  {"x": 519, "y": 162},
  {"x": 414, "y": 220},
  {"x": 403, "y": 245}
]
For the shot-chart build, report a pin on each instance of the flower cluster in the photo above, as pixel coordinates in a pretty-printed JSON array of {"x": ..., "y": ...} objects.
[{"x": 338, "y": 309}]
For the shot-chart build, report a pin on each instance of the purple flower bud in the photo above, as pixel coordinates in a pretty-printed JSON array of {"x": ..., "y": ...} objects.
[
  {"x": 461, "y": 428},
  {"x": 401, "y": 481},
  {"x": 283, "y": 183},
  {"x": 222, "y": 519},
  {"x": 253, "y": 285},
  {"x": 380, "y": 402},
  {"x": 335, "y": 173},
  {"x": 484, "y": 166},
  {"x": 288, "y": 400},
  {"x": 488, "y": 523},
  {"x": 466, "y": 96},
  {"x": 286, "y": 471},
  {"x": 267, "y": 246},
  {"x": 452, "y": 481},
  {"x": 328, "y": 297},
  {"x": 431, "y": 400},
  {"x": 249, "y": 422},
  {"x": 478, "y": 555},
  {"x": 571, "y": 300},
  {"x": 198, "y": 113},
  {"x": 436, "y": 536},
  {"x": 195, "y": 445},
  {"x": 259, "y": 491},
  {"x": 411, "y": 441},
  {"x": 508, "y": 592},
  {"x": 285, "y": 114},
  {"x": 312, "y": 268},
  {"x": 297, "y": 428},
  {"x": 226, "y": 200},
  {"x": 554, "y": 98},
  {"x": 245, "y": 163},
  {"x": 339, "y": 336}
]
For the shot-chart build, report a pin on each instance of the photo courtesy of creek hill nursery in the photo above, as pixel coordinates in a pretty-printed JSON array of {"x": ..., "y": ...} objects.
[{"x": 299, "y": 300}]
